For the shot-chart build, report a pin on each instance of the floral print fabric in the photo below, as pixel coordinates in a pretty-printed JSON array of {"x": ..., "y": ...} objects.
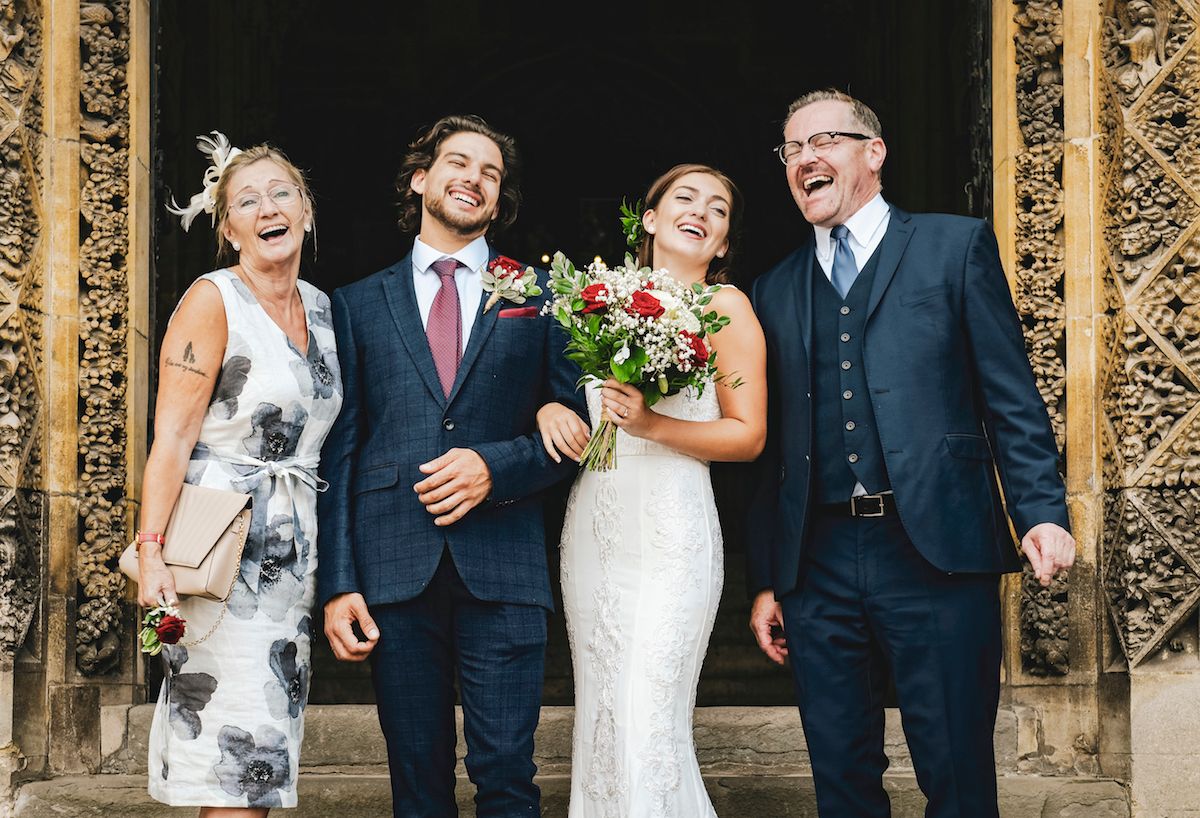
[{"x": 230, "y": 716}]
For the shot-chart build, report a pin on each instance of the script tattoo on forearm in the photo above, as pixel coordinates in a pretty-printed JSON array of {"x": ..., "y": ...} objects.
[{"x": 189, "y": 358}]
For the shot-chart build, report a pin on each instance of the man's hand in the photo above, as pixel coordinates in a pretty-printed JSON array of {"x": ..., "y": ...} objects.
[
  {"x": 1050, "y": 549},
  {"x": 765, "y": 615},
  {"x": 341, "y": 613},
  {"x": 458, "y": 481}
]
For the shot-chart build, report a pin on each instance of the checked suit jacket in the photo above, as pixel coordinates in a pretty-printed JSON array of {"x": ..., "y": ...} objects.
[
  {"x": 953, "y": 394},
  {"x": 375, "y": 536}
]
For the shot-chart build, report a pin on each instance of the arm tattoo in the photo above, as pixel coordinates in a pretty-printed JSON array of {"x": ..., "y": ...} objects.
[{"x": 189, "y": 358}]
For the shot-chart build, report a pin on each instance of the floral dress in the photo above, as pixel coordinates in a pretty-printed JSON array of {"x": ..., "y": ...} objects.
[{"x": 230, "y": 716}]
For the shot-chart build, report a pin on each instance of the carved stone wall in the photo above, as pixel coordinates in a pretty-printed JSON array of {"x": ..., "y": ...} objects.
[
  {"x": 1039, "y": 283},
  {"x": 1150, "y": 110},
  {"x": 21, "y": 320},
  {"x": 103, "y": 328}
]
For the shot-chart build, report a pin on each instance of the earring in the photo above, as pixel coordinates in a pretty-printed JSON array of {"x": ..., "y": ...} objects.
[
  {"x": 237, "y": 248},
  {"x": 308, "y": 227}
]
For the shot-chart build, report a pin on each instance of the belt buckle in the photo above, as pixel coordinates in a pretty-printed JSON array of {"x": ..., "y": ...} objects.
[{"x": 877, "y": 499}]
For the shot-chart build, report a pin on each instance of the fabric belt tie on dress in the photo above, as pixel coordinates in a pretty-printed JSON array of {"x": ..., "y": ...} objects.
[
  {"x": 290, "y": 469},
  {"x": 865, "y": 505}
]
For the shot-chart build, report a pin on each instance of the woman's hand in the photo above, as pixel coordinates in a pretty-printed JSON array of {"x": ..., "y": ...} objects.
[
  {"x": 562, "y": 431},
  {"x": 627, "y": 408},
  {"x": 156, "y": 586}
]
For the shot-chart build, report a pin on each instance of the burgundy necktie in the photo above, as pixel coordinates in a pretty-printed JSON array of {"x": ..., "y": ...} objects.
[{"x": 444, "y": 327}]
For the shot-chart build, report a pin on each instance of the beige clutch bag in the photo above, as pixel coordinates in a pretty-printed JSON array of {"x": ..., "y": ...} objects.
[{"x": 203, "y": 542}]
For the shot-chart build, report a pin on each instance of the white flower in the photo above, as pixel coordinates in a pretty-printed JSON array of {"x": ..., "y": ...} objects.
[{"x": 622, "y": 355}]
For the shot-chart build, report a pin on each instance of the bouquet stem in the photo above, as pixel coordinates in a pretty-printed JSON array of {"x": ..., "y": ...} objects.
[{"x": 600, "y": 454}]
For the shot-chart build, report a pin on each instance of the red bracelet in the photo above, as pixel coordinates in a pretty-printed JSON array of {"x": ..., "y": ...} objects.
[{"x": 147, "y": 536}]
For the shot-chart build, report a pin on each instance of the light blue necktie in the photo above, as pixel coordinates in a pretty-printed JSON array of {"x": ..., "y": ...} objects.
[{"x": 844, "y": 268}]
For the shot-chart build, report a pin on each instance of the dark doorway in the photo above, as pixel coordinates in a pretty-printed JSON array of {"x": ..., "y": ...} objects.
[{"x": 601, "y": 98}]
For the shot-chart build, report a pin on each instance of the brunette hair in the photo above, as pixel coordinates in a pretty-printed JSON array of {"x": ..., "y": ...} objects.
[
  {"x": 862, "y": 113},
  {"x": 225, "y": 253},
  {"x": 718, "y": 268},
  {"x": 424, "y": 150}
]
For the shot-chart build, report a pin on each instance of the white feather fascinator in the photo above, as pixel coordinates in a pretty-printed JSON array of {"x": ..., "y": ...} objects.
[{"x": 219, "y": 151}]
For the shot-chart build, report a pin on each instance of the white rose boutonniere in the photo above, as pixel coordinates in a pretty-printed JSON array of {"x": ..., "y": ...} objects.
[{"x": 503, "y": 278}]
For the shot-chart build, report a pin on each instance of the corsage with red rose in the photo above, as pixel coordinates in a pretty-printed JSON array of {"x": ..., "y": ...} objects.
[
  {"x": 503, "y": 278},
  {"x": 161, "y": 626}
]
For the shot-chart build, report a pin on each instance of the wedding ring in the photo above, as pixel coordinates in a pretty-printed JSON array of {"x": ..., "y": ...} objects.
[{"x": 624, "y": 411}]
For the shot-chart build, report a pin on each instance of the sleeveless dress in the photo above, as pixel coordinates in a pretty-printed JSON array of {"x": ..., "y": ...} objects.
[
  {"x": 642, "y": 569},
  {"x": 229, "y": 721}
]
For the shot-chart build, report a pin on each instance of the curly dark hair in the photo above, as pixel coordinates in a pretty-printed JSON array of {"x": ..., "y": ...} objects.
[
  {"x": 422, "y": 152},
  {"x": 719, "y": 268}
]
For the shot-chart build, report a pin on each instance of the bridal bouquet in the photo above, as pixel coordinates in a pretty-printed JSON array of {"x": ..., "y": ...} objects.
[{"x": 637, "y": 325}]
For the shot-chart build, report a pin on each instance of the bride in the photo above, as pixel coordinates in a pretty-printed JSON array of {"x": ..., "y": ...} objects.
[{"x": 642, "y": 563}]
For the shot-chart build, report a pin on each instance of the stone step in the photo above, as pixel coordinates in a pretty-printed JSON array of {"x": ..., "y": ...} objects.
[
  {"x": 354, "y": 795},
  {"x": 741, "y": 740}
]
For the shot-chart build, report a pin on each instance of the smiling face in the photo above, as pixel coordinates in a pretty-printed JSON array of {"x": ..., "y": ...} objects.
[
  {"x": 273, "y": 233},
  {"x": 691, "y": 221},
  {"x": 831, "y": 187},
  {"x": 460, "y": 191}
]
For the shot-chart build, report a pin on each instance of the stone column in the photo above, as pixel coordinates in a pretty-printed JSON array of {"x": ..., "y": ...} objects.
[{"x": 1149, "y": 369}]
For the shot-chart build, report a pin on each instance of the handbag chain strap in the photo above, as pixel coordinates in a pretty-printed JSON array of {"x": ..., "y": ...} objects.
[{"x": 225, "y": 602}]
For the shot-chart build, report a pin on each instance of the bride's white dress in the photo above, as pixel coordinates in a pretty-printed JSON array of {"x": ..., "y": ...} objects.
[{"x": 642, "y": 568}]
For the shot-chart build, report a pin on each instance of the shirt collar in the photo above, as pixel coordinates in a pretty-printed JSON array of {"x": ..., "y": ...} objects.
[
  {"x": 862, "y": 226},
  {"x": 473, "y": 256}
]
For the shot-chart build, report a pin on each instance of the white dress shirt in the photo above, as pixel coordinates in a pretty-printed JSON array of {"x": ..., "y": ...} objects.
[
  {"x": 468, "y": 278},
  {"x": 866, "y": 227}
]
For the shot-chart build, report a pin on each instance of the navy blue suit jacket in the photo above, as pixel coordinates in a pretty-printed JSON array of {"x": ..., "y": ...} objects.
[
  {"x": 375, "y": 536},
  {"x": 954, "y": 397}
]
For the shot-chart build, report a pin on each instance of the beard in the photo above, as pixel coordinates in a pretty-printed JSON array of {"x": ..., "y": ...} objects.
[{"x": 462, "y": 224}]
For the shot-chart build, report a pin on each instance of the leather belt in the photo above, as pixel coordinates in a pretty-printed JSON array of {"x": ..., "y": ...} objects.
[{"x": 866, "y": 505}]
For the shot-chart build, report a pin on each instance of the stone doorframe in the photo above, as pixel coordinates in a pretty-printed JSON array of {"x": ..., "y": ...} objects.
[{"x": 1096, "y": 194}]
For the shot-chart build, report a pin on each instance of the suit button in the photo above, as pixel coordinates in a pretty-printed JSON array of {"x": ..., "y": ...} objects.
[
  {"x": 845, "y": 364},
  {"x": 847, "y": 395},
  {"x": 849, "y": 426},
  {"x": 808, "y": 395},
  {"x": 852, "y": 457},
  {"x": 845, "y": 337},
  {"x": 844, "y": 310},
  {"x": 448, "y": 425}
]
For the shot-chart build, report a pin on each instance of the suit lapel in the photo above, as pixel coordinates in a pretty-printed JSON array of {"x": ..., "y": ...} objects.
[
  {"x": 480, "y": 330},
  {"x": 402, "y": 301},
  {"x": 891, "y": 250}
]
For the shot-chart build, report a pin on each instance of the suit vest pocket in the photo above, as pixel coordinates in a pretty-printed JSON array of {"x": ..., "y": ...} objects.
[
  {"x": 376, "y": 477},
  {"x": 969, "y": 447}
]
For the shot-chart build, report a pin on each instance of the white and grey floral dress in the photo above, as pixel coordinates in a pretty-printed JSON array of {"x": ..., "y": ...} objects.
[{"x": 230, "y": 717}]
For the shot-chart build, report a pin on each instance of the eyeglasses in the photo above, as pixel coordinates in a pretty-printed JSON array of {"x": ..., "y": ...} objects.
[
  {"x": 282, "y": 196},
  {"x": 821, "y": 143}
]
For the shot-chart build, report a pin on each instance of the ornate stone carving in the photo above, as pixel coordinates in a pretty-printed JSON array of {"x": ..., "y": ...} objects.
[
  {"x": 1039, "y": 283},
  {"x": 21, "y": 504},
  {"x": 1150, "y": 104},
  {"x": 103, "y": 307}
]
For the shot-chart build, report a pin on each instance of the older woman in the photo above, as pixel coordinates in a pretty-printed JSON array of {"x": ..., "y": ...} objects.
[{"x": 248, "y": 388}]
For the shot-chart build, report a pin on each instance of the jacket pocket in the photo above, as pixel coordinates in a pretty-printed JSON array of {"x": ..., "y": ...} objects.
[
  {"x": 922, "y": 295},
  {"x": 376, "y": 477},
  {"x": 969, "y": 447}
]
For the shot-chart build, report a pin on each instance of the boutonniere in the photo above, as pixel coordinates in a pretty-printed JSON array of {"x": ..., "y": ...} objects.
[{"x": 503, "y": 279}]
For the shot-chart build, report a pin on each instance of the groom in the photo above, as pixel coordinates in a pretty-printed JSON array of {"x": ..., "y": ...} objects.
[
  {"x": 433, "y": 560},
  {"x": 899, "y": 389}
]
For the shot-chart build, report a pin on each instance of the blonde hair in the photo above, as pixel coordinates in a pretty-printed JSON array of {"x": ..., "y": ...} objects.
[
  {"x": 249, "y": 156},
  {"x": 862, "y": 113}
]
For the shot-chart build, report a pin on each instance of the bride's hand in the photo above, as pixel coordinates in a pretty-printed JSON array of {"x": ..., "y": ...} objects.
[
  {"x": 562, "y": 431},
  {"x": 627, "y": 408}
]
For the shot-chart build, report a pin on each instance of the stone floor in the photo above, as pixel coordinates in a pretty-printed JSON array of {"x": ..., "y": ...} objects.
[{"x": 754, "y": 761}]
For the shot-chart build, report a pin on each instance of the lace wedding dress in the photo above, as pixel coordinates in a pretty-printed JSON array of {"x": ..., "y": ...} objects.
[{"x": 642, "y": 569}]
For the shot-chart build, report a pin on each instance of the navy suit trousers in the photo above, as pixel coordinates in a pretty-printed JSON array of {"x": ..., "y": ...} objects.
[
  {"x": 497, "y": 650},
  {"x": 865, "y": 591}
]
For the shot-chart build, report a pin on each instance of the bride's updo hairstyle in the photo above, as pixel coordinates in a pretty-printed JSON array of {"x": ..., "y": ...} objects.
[{"x": 718, "y": 268}]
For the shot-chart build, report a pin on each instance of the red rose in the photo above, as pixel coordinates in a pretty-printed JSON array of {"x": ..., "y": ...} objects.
[
  {"x": 170, "y": 629},
  {"x": 504, "y": 267},
  {"x": 595, "y": 297},
  {"x": 699, "y": 349},
  {"x": 645, "y": 305}
]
